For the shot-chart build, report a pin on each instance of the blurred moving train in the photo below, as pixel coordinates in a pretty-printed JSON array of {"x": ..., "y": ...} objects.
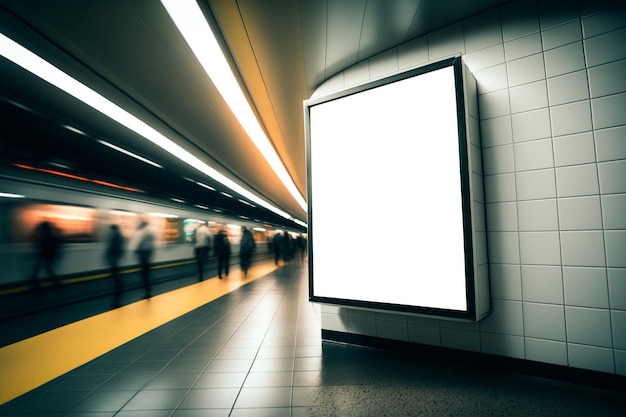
[{"x": 83, "y": 216}]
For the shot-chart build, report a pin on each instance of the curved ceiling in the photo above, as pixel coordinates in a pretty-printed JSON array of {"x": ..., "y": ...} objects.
[{"x": 131, "y": 53}]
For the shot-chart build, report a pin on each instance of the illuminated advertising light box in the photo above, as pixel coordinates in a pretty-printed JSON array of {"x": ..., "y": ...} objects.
[{"x": 396, "y": 209}]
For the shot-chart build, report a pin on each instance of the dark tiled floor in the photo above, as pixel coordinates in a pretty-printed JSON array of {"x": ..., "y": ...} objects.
[{"x": 257, "y": 352}]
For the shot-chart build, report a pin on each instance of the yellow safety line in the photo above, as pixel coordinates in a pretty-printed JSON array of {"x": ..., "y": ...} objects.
[{"x": 32, "y": 362}]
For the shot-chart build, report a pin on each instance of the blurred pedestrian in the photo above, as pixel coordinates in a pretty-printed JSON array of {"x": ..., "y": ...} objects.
[
  {"x": 202, "y": 248},
  {"x": 248, "y": 245},
  {"x": 221, "y": 247},
  {"x": 144, "y": 248},
  {"x": 114, "y": 251},
  {"x": 277, "y": 243},
  {"x": 287, "y": 247},
  {"x": 301, "y": 247},
  {"x": 48, "y": 242}
]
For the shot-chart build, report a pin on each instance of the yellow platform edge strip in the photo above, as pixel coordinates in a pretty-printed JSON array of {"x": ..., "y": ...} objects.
[{"x": 32, "y": 362}]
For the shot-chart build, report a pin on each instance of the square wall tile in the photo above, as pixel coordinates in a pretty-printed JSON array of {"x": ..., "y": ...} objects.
[
  {"x": 615, "y": 244},
  {"x": 392, "y": 330},
  {"x": 335, "y": 322},
  {"x": 460, "y": 339},
  {"x": 571, "y": 118},
  {"x": 501, "y": 217},
  {"x": 540, "y": 248},
  {"x": 526, "y": 70},
  {"x": 565, "y": 59},
  {"x": 494, "y": 104},
  {"x": 491, "y": 79},
  {"x": 591, "y": 357},
  {"x": 609, "y": 111},
  {"x": 614, "y": 211},
  {"x": 499, "y": 188},
  {"x": 502, "y": 345},
  {"x": 413, "y": 53},
  {"x": 618, "y": 321},
  {"x": 505, "y": 318},
  {"x": 532, "y": 185},
  {"x": 558, "y": 14},
  {"x": 611, "y": 175},
  {"x": 617, "y": 288},
  {"x": 606, "y": 48},
  {"x": 562, "y": 35},
  {"x": 482, "y": 31},
  {"x": 611, "y": 143},
  {"x": 606, "y": 21},
  {"x": 580, "y": 213},
  {"x": 534, "y": 155},
  {"x": 362, "y": 325},
  {"x": 607, "y": 79},
  {"x": 544, "y": 321},
  {"x": 516, "y": 23},
  {"x": 568, "y": 88},
  {"x": 620, "y": 361},
  {"x": 583, "y": 248},
  {"x": 523, "y": 47},
  {"x": 333, "y": 309},
  {"x": 383, "y": 64},
  {"x": 577, "y": 180},
  {"x": 498, "y": 131},
  {"x": 503, "y": 247},
  {"x": 531, "y": 125},
  {"x": 542, "y": 284},
  {"x": 428, "y": 335},
  {"x": 485, "y": 58},
  {"x": 505, "y": 282},
  {"x": 537, "y": 215},
  {"x": 575, "y": 149},
  {"x": 529, "y": 97},
  {"x": 446, "y": 42},
  {"x": 586, "y": 287},
  {"x": 498, "y": 160},
  {"x": 546, "y": 351}
]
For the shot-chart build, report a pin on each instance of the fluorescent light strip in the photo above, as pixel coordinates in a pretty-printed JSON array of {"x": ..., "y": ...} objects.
[
  {"x": 190, "y": 21},
  {"x": 75, "y": 130},
  {"x": 208, "y": 187},
  {"x": 125, "y": 152},
  {"x": 11, "y": 195},
  {"x": 43, "y": 69}
]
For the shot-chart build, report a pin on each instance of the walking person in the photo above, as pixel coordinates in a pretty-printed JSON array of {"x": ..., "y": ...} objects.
[
  {"x": 248, "y": 245},
  {"x": 114, "y": 251},
  {"x": 221, "y": 247},
  {"x": 144, "y": 249},
  {"x": 48, "y": 243},
  {"x": 202, "y": 248}
]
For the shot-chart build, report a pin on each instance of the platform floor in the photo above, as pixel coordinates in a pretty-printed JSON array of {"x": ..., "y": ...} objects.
[{"x": 256, "y": 350}]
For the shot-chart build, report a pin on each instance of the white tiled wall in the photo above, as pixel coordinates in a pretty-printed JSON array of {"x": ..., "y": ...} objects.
[{"x": 552, "y": 102}]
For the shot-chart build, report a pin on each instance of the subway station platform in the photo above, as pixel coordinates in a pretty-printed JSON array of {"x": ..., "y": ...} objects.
[{"x": 252, "y": 346}]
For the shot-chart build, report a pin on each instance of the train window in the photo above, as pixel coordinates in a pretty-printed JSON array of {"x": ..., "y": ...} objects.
[
  {"x": 75, "y": 224},
  {"x": 125, "y": 220},
  {"x": 390, "y": 161}
]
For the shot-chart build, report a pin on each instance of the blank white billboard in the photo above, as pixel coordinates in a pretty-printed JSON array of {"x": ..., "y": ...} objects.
[{"x": 388, "y": 225}]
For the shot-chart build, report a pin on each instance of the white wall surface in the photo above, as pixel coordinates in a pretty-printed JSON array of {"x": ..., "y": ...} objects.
[{"x": 552, "y": 102}]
